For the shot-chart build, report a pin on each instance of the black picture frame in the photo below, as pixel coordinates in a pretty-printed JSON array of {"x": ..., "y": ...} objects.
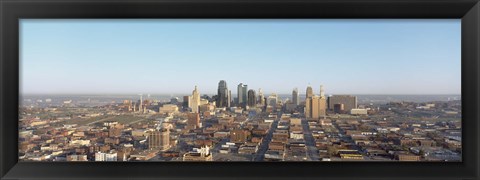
[{"x": 13, "y": 10}]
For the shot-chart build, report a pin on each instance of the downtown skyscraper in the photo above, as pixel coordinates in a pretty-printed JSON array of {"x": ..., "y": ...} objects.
[
  {"x": 308, "y": 96},
  {"x": 309, "y": 92},
  {"x": 242, "y": 94},
  {"x": 261, "y": 97},
  {"x": 194, "y": 100},
  {"x": 315, "y": 106},
  {"x": 223, "y": 95},
  {"x": 252, "y": 99},
  {"x": 295, "y": 97}
]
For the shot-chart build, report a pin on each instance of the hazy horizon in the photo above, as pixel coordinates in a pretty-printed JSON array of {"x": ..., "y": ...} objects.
[
  {"x": 127, "y": 57},
  {"x": 266, "y": 94}
]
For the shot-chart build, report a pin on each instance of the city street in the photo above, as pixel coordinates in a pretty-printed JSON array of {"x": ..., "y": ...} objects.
[
  {"x": 312, "y": 151},
  {"x": 264, "y": 146}
]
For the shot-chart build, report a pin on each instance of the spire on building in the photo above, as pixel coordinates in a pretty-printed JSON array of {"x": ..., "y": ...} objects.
[{"x": 194, "y": 100}]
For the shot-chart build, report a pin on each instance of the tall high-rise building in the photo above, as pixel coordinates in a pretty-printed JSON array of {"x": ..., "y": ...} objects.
[
  {"x": 319, "y": 106},
  {"x": 316, "y": 106},
  {"x": 349, "y": 102},
  {"x": 229, "y": 99},
  {"x": 185, "y": 101},
  {"x": 272, "y": 100},
  {"x": 242, "y": 94},
  {"x": 223, "y": 95},
  {"x": 295, "y": 97},
  {"x": 261, "y": 97},
  {"x": 252, "y": 99},
  {"x": 308, "y": 101},
  {"x": 309, "y": 92},
  {"x": 322, "y": 91},
  {"x": 159, "y": 139},
  {"x": 194, "y": 100},
  {"x": 322, "y": 104},
  {"x": 140, "y": 106}
]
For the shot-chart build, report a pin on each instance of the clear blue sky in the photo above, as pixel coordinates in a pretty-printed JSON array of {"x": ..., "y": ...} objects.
[{"x": 172, "y": 56}]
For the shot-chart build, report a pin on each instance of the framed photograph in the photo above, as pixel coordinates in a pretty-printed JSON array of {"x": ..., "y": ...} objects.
[{"x": 211, "y": 89}]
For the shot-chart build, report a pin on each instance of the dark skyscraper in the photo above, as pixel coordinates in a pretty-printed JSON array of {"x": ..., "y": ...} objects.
[
  {"x": 229, "y": 99},
  {"x": 251, "y": 98},
  {"x": 185, "y": 101},
  {"x": 295, "y": 98},
  {"x": 223, "y": 95}
]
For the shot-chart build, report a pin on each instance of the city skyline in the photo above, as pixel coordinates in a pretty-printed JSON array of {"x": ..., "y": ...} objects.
[{"x": 325, "y": 52}]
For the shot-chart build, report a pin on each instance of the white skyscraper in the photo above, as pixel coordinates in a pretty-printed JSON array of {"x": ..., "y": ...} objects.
[
  {"x": 194, "y": 100},
  {"x": 322, "y": 91},
  {"x": 261, "y": 97}
]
